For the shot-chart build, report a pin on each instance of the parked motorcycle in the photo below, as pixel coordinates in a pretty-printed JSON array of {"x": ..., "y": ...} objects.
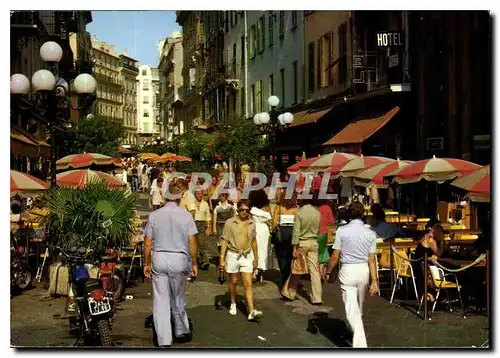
[
  {"x": 92, "y": 306},
  {"x": 20, "y": 271}
]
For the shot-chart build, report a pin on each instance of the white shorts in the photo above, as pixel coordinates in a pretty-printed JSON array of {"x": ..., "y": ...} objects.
[{"x": 241, "y": 264}]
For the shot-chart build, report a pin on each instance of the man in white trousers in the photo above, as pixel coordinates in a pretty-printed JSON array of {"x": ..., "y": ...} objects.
[{"x": 355, "y": 244}]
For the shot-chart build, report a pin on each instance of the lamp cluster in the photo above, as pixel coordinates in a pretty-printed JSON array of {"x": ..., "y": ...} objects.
[{"x": 265, "y": 120}]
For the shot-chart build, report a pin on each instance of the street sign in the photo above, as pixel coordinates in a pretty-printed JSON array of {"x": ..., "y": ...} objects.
[
  {"x": 435, "y": 143},
  {"x": 482, "y": 141}
]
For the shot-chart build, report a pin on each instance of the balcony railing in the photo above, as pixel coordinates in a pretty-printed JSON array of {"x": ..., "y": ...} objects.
[
  {"x": 129, "y": 67},
  {"x": 108, "y": 79}
]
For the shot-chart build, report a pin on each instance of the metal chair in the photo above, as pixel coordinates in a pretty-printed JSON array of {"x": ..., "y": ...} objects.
[{"x": 404, "y": 269}]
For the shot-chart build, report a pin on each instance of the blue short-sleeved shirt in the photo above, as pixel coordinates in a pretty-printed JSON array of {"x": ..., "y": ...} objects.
[{"x": 170, "y": 227}]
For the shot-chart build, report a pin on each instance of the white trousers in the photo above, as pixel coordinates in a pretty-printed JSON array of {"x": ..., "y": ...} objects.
[{"x": 353, "y": 283}]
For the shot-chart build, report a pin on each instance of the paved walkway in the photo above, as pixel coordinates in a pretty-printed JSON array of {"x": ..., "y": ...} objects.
[{"x": 36, "y": 321}]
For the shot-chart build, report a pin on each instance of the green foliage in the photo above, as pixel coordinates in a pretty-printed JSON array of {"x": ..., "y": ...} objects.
[
  {"x": 240, "y": 140},
  {"x": 96, "y": 135},
  {"x": 263, "y": 166},
  {"x": 77, "y": 215},
  {"x": 194, "y": 145}
]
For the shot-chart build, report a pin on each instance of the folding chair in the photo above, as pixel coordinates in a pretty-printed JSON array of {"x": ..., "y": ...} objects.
[
  {"x": 404, "y": 269},
  {"x": 437, "y": 281}
]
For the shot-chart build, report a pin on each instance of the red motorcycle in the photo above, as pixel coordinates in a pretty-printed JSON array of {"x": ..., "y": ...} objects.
[
  {"x": 20, "y": 271},
  {"x": 112, "y": 278}
]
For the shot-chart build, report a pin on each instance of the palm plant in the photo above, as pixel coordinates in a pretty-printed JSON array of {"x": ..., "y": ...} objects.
[{"x": 95, "y": 217}]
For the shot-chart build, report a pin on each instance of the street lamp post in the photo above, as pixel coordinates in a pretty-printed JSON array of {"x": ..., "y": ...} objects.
[
  {"x": 51, "y": 93},
  {"x": 272, "y": 122}
]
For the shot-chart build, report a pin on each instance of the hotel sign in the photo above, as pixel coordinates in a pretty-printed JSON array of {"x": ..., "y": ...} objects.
[{"x": 388, "y": 39}]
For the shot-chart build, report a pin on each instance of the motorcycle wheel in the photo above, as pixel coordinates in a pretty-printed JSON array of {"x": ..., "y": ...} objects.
[
  {"x": 104, "y": 331},
  {"x": 25, "y": 277},
  {"x": 117, "y": 286}
]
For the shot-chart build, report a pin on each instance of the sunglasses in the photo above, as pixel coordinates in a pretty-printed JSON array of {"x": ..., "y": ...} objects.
[{"x": 244, "y": 210}]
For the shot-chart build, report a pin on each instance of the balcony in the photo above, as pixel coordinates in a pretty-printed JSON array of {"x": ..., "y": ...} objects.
[
  {"x": 129, "y": 67},
  {"x": 27, "y": 22},
  {"x": 108, "y": 79}
]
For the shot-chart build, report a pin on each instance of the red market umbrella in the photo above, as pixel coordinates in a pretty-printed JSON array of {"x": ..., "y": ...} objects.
[
  {"x": 303, "y": 163},
  {"x": 80, "y": 178},
  {"x": 172, "y": 157},
  {"x": 83, "y": 160},
  {"x": 479, "y": 197},
  {"x": 24, "y": 182},
  {"x": 328, "y": 162},
  {"x": 477, "y": 182},
  {"x": 355, "y": 165},
  {"x": 375, "y": 175},
  {"x": 434, "y": 169}
]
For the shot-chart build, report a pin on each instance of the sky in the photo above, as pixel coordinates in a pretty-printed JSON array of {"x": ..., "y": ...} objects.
[{"x": 136, "y": 32}]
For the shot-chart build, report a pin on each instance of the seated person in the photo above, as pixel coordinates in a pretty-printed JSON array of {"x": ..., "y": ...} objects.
[{"x": 383, "y": 229}]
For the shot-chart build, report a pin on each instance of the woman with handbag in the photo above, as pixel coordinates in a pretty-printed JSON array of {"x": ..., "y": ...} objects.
[
  {"x": 327, "y": 219},
  {"x": 282, "y": 226}
]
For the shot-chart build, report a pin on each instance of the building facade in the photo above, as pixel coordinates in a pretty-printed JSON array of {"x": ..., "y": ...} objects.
[
  {"x": 109, "y": 82},
  {"x": 128, "y": 75},
  {"x": 190, "y": 114},
  {"x": 146, "y": 107},
  {"x": 275, "y": 58},
  {"x": 170, "y": 70}
]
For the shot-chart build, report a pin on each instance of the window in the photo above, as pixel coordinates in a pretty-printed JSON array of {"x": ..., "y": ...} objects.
[
  {"x": 144, "y": 72},
  {"x": 259, "y": 96},
  {"x": 226, "y": 22},
  {"x": 324, "y": 54},
  {"x": 251, "y": 43},
  {"x": 145, "y": 85},
  {"x": 343, "y": 53},
  {"x": 271, "y": 85},
  {"x": 254, "y": 109},
  {"x": 243, "y": 101},
  {"x": 282, "y": 79},
  {"x": 270, "y": 28},
  {"x": 145, "y": 99},
  {"x": 282, "y": 24},
  {"x": 145, "y": 113},
  {"x": 295, "y": 83},
  {"x": 310, "y": 62},
  {"x": 261, "y": 34},
  {"x": 294, "y": 19},
  {"x": 145, "y": 127}
]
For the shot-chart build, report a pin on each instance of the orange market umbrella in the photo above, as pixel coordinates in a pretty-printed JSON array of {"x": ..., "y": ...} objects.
[
  {"x": 477, "y": 183},
  {"x": 375, "y": 175},
  {"x": 331, "y": 162},
  {"x": 434, "y": 169},
  {"x": 24, "y": 182},
  {"x": 80, "y": 178},
  {"x": 361, "y": 163},
  {"x": 172, "y": 157},
  {"x": 83, "y": 160}
]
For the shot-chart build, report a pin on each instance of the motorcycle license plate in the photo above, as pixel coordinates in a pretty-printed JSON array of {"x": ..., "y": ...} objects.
[{"x": 99, "y": 307}]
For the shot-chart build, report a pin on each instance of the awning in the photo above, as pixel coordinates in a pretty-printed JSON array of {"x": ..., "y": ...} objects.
[
  {"x": 310, "y": 116},
  {"x": 27, "y": 144},
  {"x": 358, "y": 132}
]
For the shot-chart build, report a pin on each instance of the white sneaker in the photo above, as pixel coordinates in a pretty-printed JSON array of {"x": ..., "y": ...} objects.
[
  {"x": 254, "y": 315},
  {"x": 232, "y": 309}
]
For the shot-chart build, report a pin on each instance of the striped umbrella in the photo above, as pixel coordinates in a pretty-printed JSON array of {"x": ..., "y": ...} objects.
[
  {"x": 355, "y": 165},
  {"x": 331, "y": 162},
  {"x": 477, "y": 182},
  {"x": 303, "y": 163},
  {"x": 83, "y": 160},
  {"x": 24, "y": 182},
  {"x": 171, "y": 157},
  {"x": 434, "y": 169},
  {"x": 375, "y": 175},
  {"x": 80, "y": 178}
]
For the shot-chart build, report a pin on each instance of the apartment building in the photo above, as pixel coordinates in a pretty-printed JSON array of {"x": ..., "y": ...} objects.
[
  {"x": 146, "y": 98},
  {"x": 128, "y": 75},
  {"x": 191, "y": 91},
  {"x": 275, "y": 53},
  {"x": 109, "y": 83},
  {"x": 170, "y": 71}
]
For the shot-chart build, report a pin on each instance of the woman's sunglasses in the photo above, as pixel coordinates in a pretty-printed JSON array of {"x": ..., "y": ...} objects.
[{"x": 244, "y": 210}]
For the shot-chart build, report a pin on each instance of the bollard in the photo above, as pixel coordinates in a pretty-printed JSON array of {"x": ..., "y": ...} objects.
[{"x": 426, "y": 277}]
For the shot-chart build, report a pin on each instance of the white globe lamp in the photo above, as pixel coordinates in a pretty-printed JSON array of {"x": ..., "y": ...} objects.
[
  {"x": 280, "y": 119},
  {"x": 273, "y": 101},
  {"x": 256, "y": 119},
  {"x": 43, "y": 80},
  {"x": 287, "y": 118},
  {"x": 19, "y": 84},
  {"x": 85, "y": 84},
  {"x": 264, "y": 118},
  {"x": 162, "y": 142},
  {"x": 155, "y": 143},
  {"x": 51, "y": 52}
]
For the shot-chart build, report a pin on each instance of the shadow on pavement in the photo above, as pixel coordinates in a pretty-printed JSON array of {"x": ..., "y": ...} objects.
[{"x": 332, "y": 328}]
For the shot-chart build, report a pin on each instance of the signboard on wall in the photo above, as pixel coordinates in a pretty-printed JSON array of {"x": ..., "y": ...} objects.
[
  {"x": 389, "y": 39},
  {"x": 435, "y": 143}
]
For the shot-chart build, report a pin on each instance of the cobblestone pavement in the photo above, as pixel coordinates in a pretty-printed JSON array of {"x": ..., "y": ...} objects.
[{"x": 39, "y": 321}]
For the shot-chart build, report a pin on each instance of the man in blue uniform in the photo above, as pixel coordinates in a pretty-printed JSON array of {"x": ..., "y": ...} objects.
[{"x": 170, "y": 256}]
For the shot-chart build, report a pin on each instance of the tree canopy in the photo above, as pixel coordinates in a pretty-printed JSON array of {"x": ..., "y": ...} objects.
[{"x": 96, "y": 135}]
